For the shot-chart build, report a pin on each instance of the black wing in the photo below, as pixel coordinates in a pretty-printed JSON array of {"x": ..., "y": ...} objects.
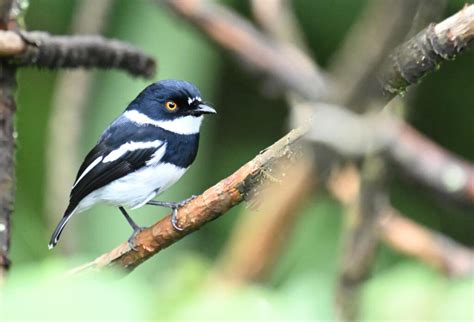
[
  {"x": 104, "y": 173},
  {"x": 118, "y": 133}
]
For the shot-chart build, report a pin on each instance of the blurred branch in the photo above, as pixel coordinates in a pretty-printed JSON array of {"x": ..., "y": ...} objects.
[
  {"x": 433, "y": 166},
  {"x": 405, "y": 235},
  {"x": 432, "y": 248},
  {"x": 278, "y": 20},
  {"x": 427, "y": 12},
  {"x": 284, "y": 63},
  {"x": 214, "y": 202},
  {"x": 41, "y": 49},
  {"x": 7, "y": 148},
  {"x": 260, "y": 236},
  {"x": 361, "y": 238},
  {"x": 70, "y": 97},
  {"x": 355, "y": 66},
  {"x": 424, "y": 52},
  {"x": 421, "y": 159}
]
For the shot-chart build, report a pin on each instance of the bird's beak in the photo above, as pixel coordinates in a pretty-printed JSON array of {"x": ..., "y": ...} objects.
[{"x": 204, "y": 109}]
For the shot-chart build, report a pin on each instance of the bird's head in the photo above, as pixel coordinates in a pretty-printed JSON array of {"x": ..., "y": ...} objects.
[{"x": 174, "y": 105}]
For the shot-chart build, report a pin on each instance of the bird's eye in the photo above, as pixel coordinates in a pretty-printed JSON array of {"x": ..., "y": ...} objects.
[{"x": 171, "y": 106}]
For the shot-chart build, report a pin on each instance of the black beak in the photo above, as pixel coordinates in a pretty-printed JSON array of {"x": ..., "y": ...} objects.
[{"x": 203, "y": 108}]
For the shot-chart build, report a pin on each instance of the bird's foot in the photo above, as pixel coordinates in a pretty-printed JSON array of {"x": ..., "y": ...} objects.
[
  {"x": 131, "y": 239},
  {"x": 174, "y": 206},
  {"x": 174, "y": 214}
]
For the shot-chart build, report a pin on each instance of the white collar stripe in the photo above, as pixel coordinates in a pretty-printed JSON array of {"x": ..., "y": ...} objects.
[
  {"x": 182, "y": 125},
  {"x": 131, "y": 146}
]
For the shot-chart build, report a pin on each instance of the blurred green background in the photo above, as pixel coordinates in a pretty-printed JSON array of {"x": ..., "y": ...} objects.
[{"x": 172, "y": 285}]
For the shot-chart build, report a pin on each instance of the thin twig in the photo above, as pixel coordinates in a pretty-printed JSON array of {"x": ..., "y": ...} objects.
[
  {"x": 43, "y": 50},
  {"x": 214, "y": 202}
]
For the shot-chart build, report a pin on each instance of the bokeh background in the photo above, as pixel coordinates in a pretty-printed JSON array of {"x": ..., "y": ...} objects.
[{"x": 174, "y": 284}]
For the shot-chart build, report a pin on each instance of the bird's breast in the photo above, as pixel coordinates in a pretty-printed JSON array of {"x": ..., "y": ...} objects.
[{"x": 181, "y": 150}]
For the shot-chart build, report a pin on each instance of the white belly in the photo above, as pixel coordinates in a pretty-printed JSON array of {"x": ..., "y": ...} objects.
[{"x": 135, "y": 189}]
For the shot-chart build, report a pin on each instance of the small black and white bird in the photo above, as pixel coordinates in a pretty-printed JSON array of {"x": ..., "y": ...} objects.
[{"x": 141, "y": 154}]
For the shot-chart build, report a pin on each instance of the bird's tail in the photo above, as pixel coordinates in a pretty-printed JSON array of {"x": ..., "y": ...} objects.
[{"x": 59, "y": 228}]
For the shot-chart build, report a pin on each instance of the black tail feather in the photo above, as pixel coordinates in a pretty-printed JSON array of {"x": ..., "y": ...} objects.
[{"x": 59, "y": 228}]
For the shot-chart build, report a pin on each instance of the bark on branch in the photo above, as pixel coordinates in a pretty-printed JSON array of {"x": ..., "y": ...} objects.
[
  {"x": 424, "y": 52},
  {"x": 41, "y": 49},
  {"x": 7, "y": 149}
]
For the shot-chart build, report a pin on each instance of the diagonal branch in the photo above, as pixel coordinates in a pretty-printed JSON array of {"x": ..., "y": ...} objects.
[
  {"x": 214, "y": 202},
  {"x": 43, "y": 50},
  {"x": 431, "y": 247}
]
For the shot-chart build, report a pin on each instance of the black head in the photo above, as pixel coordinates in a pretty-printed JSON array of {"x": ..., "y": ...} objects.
[{"x": 170, "y": 99}]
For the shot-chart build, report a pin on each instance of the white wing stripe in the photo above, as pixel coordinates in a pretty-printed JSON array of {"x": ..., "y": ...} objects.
[
  {"x": 130, "y": 146},
  {"x": 157, "y": 156},
  {"x": 89, "y": 168}
]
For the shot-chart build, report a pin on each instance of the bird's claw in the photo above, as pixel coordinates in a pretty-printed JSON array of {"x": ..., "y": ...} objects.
[
  {"x": 174, "y": 220},
  {"x": 174, "y": 214},
  {"x": 131, "y": 239}
]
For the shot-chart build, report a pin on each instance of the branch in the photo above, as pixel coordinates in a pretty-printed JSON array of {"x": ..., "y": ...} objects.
[
  {"x": 361, "y": 238},
  {"x": 7, "y": 147},
  {"x": 381, "y": 26},
  {"x": 214, "y": 202},
  {"x": 432, "y": 248},
  {"x": 406, "y": 236},
  {"x": 424, "y": 52},
  {"x": 420, "y": 158},
  {"x": 433, "y": 166},
  {"x": 285, "y": 63},
  {"x": 43, "y": 50}
]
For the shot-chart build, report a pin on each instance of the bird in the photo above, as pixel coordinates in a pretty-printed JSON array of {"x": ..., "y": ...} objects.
[{"x": 141, "y": 154}]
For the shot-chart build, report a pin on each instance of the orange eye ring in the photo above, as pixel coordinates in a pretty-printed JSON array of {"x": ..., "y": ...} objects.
[{"x": 171, "y": 106}]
